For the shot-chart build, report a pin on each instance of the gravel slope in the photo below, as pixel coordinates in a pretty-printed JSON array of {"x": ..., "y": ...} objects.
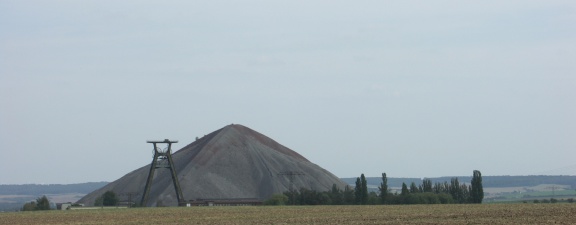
[{"x": 232, "y": 162}]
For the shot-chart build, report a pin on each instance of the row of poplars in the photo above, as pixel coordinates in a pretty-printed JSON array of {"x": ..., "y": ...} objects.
[{"x": 425, "y": 193}]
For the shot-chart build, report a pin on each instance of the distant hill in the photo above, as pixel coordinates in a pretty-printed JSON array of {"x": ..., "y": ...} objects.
[
  {"x": 44, "y": 189},
  {"x": 487, "y": 181},
  {"x": 13, "y": 196}
]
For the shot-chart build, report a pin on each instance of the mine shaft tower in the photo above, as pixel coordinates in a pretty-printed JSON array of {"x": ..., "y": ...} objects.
[
  {"x": 291, "y": 175},
  {"x": 162, "y": 159}
]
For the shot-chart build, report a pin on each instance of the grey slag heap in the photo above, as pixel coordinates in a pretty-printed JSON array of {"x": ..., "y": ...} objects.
[{"x": 234, "y": 162}]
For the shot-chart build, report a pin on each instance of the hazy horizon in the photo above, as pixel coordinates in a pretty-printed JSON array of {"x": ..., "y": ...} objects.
[
  {"x": 371, "y": 177},
  {"x": 413, "y": 89}
]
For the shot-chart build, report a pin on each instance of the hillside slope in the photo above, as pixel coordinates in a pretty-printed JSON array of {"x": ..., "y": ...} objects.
[{"x": 232, "y": 162}]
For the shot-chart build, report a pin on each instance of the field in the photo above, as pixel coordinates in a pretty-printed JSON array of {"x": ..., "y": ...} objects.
[{"x": 406, "y": 214}]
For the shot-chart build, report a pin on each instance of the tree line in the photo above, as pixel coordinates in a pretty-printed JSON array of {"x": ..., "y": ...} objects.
[
  {"x": 109, "y": 198},
  {"x": 41, "y": 203},
  {"x": 425, "y": 193}
]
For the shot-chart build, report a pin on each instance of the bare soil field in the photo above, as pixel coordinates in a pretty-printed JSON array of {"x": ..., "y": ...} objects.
[{"x": 406, "y": 214}]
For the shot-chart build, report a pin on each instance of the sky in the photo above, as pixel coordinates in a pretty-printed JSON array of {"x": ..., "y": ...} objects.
[{"x": 410, "y": 88}]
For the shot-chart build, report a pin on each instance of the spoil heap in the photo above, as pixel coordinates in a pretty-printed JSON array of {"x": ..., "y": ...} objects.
[{"x": 231, "y": 163}]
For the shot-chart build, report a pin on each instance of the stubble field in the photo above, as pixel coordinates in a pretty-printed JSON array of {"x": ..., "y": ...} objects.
[{"x": 406, "y": 214}]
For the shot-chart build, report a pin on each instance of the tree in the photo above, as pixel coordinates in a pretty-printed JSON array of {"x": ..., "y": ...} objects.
[
  {"x": 29, "y": 206},
  {"x": 277, "y": 199},
  {"x": 438, "y": 188},
  {"x": 414, "y": 188},
  {"x": 324, "y": 198},
  {"x": 383, "y": 189},
  {"x": 455, "y": 190},
  {"x": 426, "y": 185},
  {"x": 358, "y": 191},
  {"x": 348, "y": 196},
  {"x": 293, "y": 197},
  {"x": 364, "y": 189},
  {"x": 372, "y": 198},
  {"x": 98, "y": 201},
  {"x": 477, "y": 191},
  {"x": 336, "y": 195},
  {"x": 42, "y": 203},
  {"x": 404, "y": 189},
  {"x": 465, "y": 194},
  {"x": 109, "y": 198}
]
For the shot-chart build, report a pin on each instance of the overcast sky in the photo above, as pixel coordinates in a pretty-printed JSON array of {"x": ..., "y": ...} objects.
[{"x": 410, "y": 88}]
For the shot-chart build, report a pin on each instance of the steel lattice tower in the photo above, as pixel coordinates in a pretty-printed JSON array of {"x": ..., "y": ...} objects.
[
  {"x": 162, "y": 159},
  {"x": 291, "y": 175}
]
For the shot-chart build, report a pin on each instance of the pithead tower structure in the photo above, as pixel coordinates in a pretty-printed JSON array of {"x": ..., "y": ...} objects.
[{"x": 162, "y": 159}]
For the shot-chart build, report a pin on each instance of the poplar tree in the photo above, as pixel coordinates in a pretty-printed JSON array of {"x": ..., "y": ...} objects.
[
  {"x": 476, "y": 191},
  {"x": 414, "y": 188},
  {"x": 455, "y": 190},
  {"x": 336, "y": 195},
  {"x": 404, "y": 189},
  {"x": 358, "y": 191},
  {"x": 364, "y": 191},
  {"x": 348, "y": 196},
  {"x": 426, "y": 185},
  {"x": 383, "y": 188}
]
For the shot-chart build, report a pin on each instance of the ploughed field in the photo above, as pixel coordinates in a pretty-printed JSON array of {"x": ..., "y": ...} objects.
[{"x": 403, "y": 214}]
